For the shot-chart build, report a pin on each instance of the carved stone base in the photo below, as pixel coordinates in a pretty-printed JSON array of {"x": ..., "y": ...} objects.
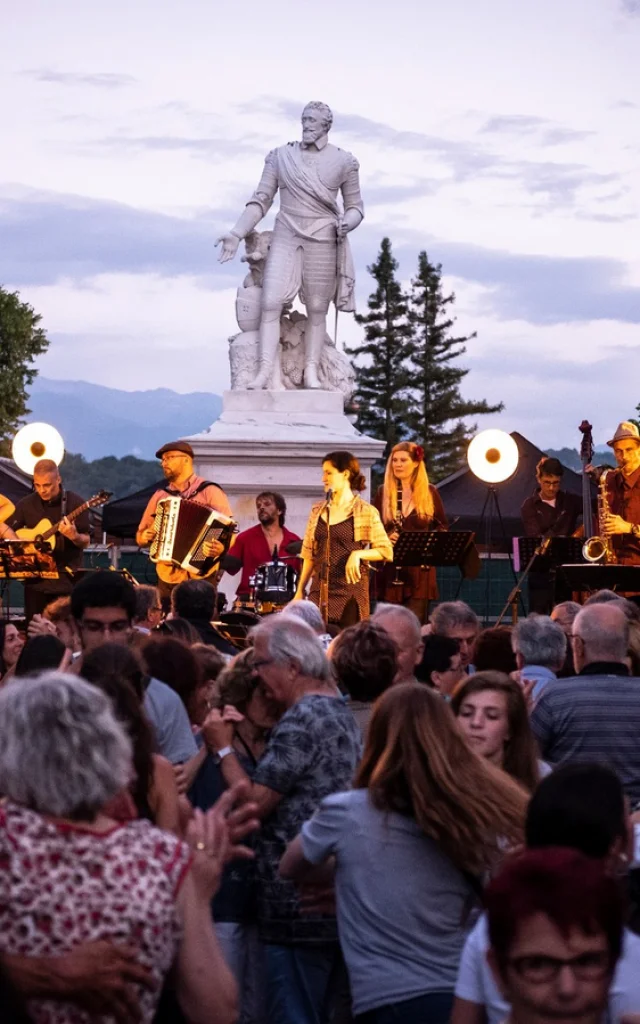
[{"x": 276, "y": 440}]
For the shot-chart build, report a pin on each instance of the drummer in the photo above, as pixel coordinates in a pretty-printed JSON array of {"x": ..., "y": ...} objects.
[{"x": 255, "y": 546}]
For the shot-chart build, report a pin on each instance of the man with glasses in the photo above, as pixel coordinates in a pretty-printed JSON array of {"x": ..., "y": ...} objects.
[
  {"x": 177, "y": 465},
  {"x": 104, "y": 606}
]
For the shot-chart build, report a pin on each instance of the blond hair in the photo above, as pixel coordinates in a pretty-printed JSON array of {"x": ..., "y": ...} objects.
[
  {"x": 416, "y": 762},
  {"x": 422, "y": 496}
]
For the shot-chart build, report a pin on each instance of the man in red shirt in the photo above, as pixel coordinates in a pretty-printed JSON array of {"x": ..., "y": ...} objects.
[{"x": 255, "y": 546}]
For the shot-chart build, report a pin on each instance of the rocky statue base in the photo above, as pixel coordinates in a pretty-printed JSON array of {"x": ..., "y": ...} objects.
[{"x": 275, "y": 440}]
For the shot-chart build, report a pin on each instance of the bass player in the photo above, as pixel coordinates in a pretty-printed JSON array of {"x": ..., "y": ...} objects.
[
  {"x": 51, "y": 503},
  {"x": 177, "y": 465}
]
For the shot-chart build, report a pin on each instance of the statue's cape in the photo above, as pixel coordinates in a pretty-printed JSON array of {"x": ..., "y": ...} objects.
[{"x": 304, "y": 183}]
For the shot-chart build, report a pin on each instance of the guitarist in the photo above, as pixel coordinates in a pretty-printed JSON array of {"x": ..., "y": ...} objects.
[
  {"x": 177, "y": 465},
  {"x": 51, "y": 502}
]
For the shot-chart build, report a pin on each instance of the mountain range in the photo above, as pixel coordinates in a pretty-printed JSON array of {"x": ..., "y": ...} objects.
[{"x": 96, "y": 421}]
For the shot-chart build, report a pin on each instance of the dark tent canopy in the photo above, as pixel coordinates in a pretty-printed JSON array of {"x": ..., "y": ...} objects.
[
  {"x": 464, "y": 495},
  {"x": 120, "y": 518},
  {"x": 14, "y": 484}
]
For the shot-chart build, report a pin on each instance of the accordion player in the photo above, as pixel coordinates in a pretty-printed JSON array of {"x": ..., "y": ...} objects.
[{"x": 182, "y": 528}]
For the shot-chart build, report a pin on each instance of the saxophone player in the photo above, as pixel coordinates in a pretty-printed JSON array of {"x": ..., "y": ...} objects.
[{"x": 622, "y": 524}]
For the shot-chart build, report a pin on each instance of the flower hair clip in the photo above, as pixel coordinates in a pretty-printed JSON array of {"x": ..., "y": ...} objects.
[{"x": 418, "y": 453}]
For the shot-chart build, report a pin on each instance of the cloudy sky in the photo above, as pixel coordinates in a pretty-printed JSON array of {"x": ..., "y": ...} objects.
[{"x": 501, "y": 137}]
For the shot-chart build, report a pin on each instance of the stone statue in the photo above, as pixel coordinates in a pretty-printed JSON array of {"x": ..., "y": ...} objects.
[
  {"x": 309, "y": 251},
  {"x": 287, "y": 371}
]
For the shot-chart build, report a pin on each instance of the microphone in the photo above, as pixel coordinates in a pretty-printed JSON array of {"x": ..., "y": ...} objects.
[{"x": 328, "y": 496}]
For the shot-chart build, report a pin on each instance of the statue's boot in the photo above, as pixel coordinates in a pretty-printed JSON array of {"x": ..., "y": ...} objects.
[
  {"x": 269, "y": 342},
  {"x": 313, "y": 345}
]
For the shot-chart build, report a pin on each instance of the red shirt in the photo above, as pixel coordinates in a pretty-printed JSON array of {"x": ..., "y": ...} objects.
[{"x": 252, "y": 548}]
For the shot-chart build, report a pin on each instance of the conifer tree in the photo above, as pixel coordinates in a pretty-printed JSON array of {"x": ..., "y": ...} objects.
[
  {"x": 382, "y": 371},
  {"x": 438, "y": 411}
]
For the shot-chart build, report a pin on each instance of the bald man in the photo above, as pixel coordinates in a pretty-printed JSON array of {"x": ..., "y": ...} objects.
[
  {"x": 50, "y": 501},
  {"x": 595, "y": 715}
]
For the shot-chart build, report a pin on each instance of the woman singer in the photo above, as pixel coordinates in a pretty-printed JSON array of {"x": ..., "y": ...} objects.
[
  {"x": 342, "y": 533},
  {"x": 407, "y": 501}
]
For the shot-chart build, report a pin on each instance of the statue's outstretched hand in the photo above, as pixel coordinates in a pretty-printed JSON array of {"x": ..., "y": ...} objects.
[{"x": 230, "y": 243}]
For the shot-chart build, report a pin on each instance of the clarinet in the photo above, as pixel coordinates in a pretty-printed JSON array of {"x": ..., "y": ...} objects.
[{"x": 397, "y": 523}]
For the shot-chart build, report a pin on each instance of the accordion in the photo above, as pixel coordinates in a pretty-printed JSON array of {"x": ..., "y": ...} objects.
[{"x": 182, "y": 528}]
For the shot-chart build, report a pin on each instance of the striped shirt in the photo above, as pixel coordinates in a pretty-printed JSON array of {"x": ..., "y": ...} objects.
[{"x": 593, "y": 717}]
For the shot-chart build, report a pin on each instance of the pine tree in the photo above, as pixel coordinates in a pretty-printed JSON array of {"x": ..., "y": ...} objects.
[
  {"x": 21, "y": 340},
  {"x": 382, "y": 380},
  {"x": 437, "y": 413}
]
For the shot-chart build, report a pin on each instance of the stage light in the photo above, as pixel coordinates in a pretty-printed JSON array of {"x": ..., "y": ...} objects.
[
  {"x": 34, "y": 442},
  {"x": 492, "y": 456}
]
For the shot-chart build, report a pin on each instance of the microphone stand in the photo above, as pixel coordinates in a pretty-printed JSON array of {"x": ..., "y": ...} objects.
[
  {"x": 516, "y": 591},
  {"x": 324, "y": 575}
]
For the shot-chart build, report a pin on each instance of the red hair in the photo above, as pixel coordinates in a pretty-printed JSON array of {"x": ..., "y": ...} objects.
[{"x": 572, "y": 890}]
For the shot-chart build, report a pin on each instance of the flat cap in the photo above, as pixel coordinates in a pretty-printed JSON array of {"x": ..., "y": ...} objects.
[{"x": 175, "y": 446}]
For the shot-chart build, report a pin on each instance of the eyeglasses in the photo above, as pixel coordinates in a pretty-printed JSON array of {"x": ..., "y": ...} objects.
[
  {"x": 117, "y": 627},
  {"x": 541, "y": 969}
]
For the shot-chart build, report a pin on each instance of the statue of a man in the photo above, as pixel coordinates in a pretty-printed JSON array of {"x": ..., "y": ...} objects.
[{"x": 310, "y": 254}]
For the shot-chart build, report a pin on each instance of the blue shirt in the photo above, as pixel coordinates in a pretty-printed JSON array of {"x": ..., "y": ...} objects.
[{"x": 170, "y": 722}]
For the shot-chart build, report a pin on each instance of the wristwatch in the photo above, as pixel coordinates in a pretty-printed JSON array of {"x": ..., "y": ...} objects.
[{"x": 223, "y": 752}]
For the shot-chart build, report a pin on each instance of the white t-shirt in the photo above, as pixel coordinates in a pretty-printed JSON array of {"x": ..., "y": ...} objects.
[{"x": 475, "y": 981}]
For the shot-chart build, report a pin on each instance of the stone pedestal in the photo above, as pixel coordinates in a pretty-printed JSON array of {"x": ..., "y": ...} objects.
[{"x": 276, "y": 440}]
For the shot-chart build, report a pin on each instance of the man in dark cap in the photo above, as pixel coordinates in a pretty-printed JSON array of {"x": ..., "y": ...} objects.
[{"x": 182, "y": 482}]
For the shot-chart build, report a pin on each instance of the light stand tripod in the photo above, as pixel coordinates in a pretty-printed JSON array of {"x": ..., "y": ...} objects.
[{"x": 490, "y": 509}]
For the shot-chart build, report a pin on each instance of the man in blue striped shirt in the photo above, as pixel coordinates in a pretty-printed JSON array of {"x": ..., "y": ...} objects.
[{"x": 595, "y": 715}]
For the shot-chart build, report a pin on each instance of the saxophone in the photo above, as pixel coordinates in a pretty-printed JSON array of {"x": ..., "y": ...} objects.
[{"x": 600, "y": 548}]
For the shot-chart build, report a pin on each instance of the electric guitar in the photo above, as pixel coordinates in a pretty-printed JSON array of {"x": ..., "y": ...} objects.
[{"x": 45, "y": 532}]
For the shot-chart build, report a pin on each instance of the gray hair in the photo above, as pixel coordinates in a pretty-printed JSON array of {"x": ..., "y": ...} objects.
[
  {"x": 62, "y": 751},
  {"x": 451, "y": 614},
  {"x": 147, "y": 597},
  {"x": 290, "y": 639},
  {"x": 604, "y": 631},
  {"x": 565, "y": 613},
  {"x": 308, "y": 612},
  {"x": 540, "y": 641},
  {"x": 325, "y": 112},
  {"x": 400, "y": 613}
]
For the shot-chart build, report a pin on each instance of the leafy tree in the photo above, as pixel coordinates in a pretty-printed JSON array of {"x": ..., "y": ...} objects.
[
  {"x": 437, "y": 409},
  {"x": 21, "y": 340},
  {"x": 637, "y": 420},
  {"x": 382, "y": 374}
]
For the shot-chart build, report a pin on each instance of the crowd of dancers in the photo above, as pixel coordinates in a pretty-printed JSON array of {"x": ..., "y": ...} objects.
[{"x": 402, "y": 823}]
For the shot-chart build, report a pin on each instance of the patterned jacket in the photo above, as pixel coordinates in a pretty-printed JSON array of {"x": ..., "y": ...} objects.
[{"x": 367, "y": 529}]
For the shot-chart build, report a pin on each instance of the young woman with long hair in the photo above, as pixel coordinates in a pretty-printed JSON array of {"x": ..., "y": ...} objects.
[
  {"x": 426, "y": 820},
  {"x": 351, "y": 530},
  {"x": 492, "y": 714},
  {"x": 407, "y": 501}
]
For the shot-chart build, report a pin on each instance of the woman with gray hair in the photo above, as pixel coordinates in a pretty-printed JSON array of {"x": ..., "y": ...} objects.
[{"x": 72, "y": 875}]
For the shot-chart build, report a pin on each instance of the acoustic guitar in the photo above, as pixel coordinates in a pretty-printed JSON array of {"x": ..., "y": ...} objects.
[{"x": 45, "y": 532}]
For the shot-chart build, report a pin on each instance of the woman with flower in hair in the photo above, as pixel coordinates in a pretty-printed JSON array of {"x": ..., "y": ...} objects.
[{"x": 407, "y": 501}]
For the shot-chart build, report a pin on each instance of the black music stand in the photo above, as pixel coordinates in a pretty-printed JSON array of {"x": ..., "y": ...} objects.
[
  {"x": 587, "y": 576},
  {"x": 438, "y": 548},
  {"x": 25, "y": 560},
  {"x": 540, "y": 555}
]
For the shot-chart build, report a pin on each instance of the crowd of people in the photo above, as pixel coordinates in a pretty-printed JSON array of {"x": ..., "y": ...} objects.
[{"x": 401, "y": 823}]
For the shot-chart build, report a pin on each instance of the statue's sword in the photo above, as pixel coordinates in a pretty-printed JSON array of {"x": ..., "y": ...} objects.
[{"x": 339, "y": 240}]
